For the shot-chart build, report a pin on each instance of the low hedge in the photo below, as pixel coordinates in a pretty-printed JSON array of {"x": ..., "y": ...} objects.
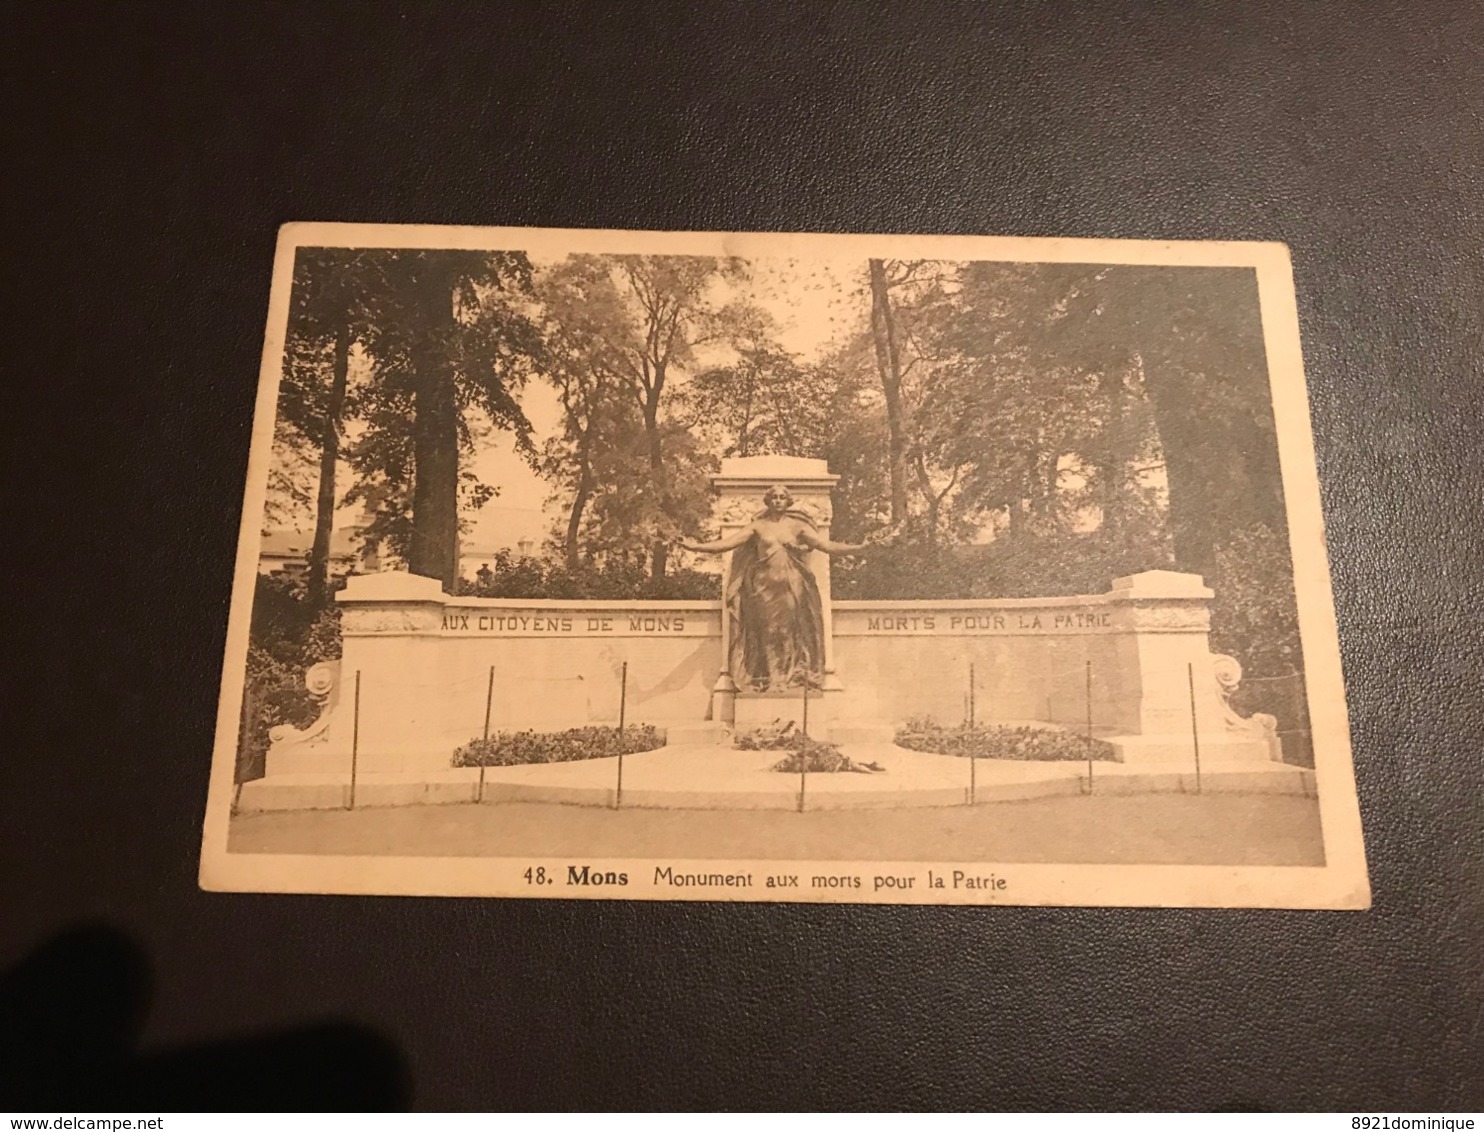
[
  {"x": 515, "y": 748},
  {"x": 1039, "y": 744}
]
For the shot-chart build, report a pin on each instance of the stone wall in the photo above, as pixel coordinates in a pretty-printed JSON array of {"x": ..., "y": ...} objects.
[
  {"x": 424, "y": 660},
  {"x": 1028, "y": 658},
  {"x": 1131, "y": 652}
]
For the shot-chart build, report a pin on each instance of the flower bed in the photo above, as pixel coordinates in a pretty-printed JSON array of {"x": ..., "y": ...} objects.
[
  {"x": 514, "y": 748},
  {"x": 805, "y": 754},
  {"x": 1024, "y": 743}
]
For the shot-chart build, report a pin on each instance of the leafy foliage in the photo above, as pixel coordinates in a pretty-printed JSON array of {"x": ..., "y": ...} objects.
[
  {"x": 516, "y": 748},
  {"x": 666, "y": 309},
  {"x": 1032, "y": 564},
  {"x": 1038, "y": 744},
  {"x": 776, "y": 736},
  {"x": 291, "y": 483},
  {"x": 452, "y": 340},
  {"x": 821, "y": 758},
  {"x": 1255, "y": 609},
  {"x": 633, "y": 511},
  {"x": 805, "y": 752},
  {"x": 287, "y": 636},
  {"x": 616, "y": 579},
  {"x": 1254, "y": 618},
  {"x": 1024, "y": 429},
  {"x": 767, "y": 402}
]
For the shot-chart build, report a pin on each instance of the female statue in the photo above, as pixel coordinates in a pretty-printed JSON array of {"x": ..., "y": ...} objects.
[{"x": 772, "y": 599}]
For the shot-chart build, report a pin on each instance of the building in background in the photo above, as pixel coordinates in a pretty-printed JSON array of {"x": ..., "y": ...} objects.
[
  {"x": 285, "y": 550},
  {"x": 474, "y": 558}
]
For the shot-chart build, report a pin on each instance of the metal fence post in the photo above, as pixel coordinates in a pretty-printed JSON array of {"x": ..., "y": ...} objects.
[
  {"x": 1089, "y": 727},
  {"x": 971, "y": 695},
  {"x": 484, "y": 748},
  {"x": 1195, "y": 731},
  {"x": 623, "y": 700},
  {"x": 355, "y": 741},
  {"x": 804, "y": 749}
]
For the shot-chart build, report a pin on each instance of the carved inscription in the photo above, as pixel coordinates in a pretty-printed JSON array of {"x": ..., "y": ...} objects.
[
  {"x": 957, "y": 623},
  {"x": 566, "y": 623}
]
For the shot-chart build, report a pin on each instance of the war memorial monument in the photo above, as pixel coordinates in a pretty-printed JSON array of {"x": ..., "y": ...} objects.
[{"x": 1134, "y": 663}]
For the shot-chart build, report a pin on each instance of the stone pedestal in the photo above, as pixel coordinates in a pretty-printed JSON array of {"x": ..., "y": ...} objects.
[
  {"x": 763, "y": 709},
  {"x": 1180, "y": 698},
  {"x": 740, "y": 486},
  {"x": 388, "y": 624}
]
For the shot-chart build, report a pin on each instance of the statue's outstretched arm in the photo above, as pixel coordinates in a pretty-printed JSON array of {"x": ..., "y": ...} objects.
[
  {"x": 812, "y": 540},
  {"x": 721, "y": 545}
]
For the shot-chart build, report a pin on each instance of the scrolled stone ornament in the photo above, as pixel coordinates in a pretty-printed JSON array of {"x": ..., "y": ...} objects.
[
  {"x": 320, "y": 678},
  {"x": 322, "y": 682},
  {"x": 1228, "y": 673}
]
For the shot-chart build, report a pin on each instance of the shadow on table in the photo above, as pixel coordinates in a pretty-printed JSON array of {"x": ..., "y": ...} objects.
[{"x": 71, "y": 1014}]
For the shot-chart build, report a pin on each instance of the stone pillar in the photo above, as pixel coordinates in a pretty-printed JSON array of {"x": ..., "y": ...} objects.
[
  {"x": 740, "y": 486},
  {"x": 389, "y": 632},
  {"x": 1166, "y": 621}
]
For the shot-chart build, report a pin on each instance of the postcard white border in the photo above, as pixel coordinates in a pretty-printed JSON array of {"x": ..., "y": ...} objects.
[{"x": 1342, "y": 882}]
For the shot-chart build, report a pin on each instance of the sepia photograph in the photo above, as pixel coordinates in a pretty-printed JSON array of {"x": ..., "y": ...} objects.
[{"x": 708, "y": 566}]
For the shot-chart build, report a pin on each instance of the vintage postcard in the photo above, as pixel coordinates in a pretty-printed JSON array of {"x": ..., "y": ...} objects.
[{"x": 720, "y": 566}]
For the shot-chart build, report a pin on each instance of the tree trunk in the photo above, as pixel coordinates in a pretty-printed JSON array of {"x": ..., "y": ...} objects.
[
  {"x": 579, "y": 503},
  {"x": 889, "y": 365},
  {"x": 1051, "y": 472},
  {"x": 1025, "y": 510},
  {"x": 746, "y": 420},
  {"x": 434, "y": 550},
  {"x": 659, "y": 553},
  {"x": 930, "y": 497},
  {"x": 1186, "y": 452},
  {"x": 324, "y": 516},
  {"x": 1115, "y": 456},
  {"x": 435, "y": 494}
]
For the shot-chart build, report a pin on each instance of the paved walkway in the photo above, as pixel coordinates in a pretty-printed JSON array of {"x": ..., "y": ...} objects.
[
  {"x": 1153, "y": 829},
  {"x": 718, "y": 777}
]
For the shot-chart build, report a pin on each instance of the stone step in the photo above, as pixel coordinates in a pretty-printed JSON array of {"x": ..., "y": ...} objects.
[
  {"x": 847, "y": 734},
  {"x": 702, "y": 734}
]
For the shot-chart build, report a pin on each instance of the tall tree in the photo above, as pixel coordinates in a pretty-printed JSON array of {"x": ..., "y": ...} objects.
[
  {"x": 912, "y": 303},
  {"x": 767, "y": 400},
  {"x": 889, "y": 367},
  {"x": 672, "y": 308},
  {"x": 452, "y": 337},
  {"x": 327, "y": 314},
  {"x": 1193, "y": 339},
  {"x": 626, "y": 511},
  {"x": 585, "y": 325},
  {"x": 1005, "y": 408},
  {"x": 1119, "y": 370}
]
